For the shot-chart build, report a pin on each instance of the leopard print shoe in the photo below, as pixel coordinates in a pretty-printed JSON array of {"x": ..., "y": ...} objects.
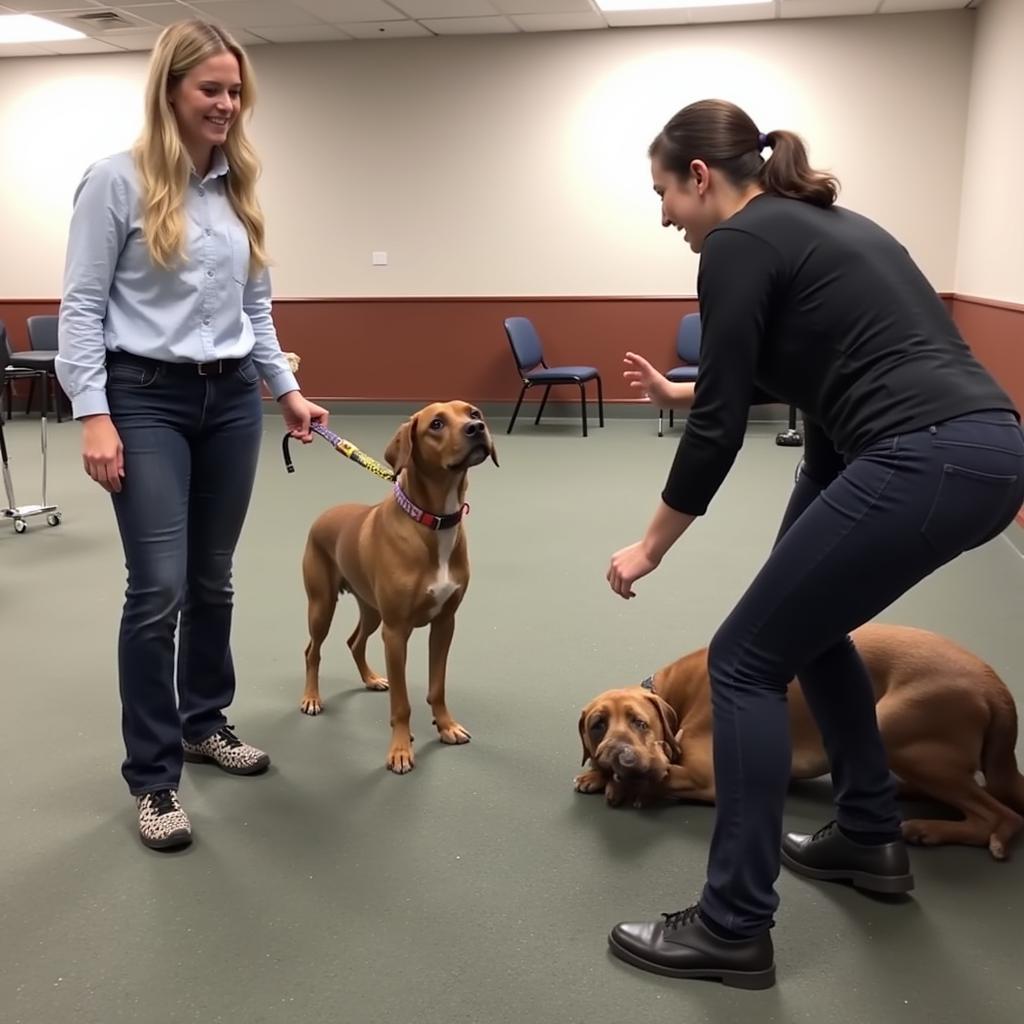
[
  {"x": 162, "y": 821},
  {"x": 227, "y": 751}
]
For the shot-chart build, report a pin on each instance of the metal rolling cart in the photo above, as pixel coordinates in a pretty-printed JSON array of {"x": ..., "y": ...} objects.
[{"x": 21, "y": 513}]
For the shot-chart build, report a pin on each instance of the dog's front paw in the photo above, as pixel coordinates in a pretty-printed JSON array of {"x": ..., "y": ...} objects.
[
  {"x": 453, "y": 734},
  {"x": 590, "y": 782},
  {"x": 311, "y": 706},
  {"x": 400, "y": 759},
  {"x": 376, "y": 683}
]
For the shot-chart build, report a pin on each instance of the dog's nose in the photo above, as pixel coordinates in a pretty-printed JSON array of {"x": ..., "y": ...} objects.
[
  {"x": 473, "y": 428},
  {"x": 626, "y": 756}
]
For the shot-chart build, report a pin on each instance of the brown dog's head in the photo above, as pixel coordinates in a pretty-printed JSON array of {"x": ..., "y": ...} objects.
[
  {"x": 630, "y": 735},
  {"x": 444, "y": 438}
]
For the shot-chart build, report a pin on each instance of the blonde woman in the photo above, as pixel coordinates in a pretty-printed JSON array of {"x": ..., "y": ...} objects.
[{"x": 165, "y": 336}]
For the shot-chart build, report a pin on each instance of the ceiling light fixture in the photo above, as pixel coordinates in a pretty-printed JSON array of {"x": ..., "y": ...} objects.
[
  {"x": 672, "y": 5},
  {"x": 27, "y": 28}
]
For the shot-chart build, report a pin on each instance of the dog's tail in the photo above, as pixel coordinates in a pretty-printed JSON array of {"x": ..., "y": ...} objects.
[{"x": 998, "y": 760}]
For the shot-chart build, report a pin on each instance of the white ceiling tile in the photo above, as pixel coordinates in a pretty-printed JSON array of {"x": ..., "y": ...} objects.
[
  {"x": 559, "y": 22},
  {"x": 80, "y": 46},
  {"x": 21, "y": 50},
  {"x": 384, "y": 29},
  {"x": 629, "y": 19},
  {"x": 544, "y": 6},
  {"x": 133, "y": 39},
  {"x": 338, "y": 12},
  {"x": 254, "y": 14},
  {"x": 23, "y": 6},
  {"x": 469, "y": 26},
  {"x": 421, "y": 9},
  {"x": 901, "y": 6},
  {"x": 304, "y": 34},
  {"x": 733, "y": 12},
  {"x": 827, "y": 8}
]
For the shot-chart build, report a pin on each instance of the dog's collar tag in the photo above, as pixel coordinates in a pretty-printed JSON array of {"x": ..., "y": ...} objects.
[{"x": 428, "y": 519}]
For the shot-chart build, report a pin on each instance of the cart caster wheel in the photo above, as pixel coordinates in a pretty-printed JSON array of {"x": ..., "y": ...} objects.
[
  {"x": 20, "y": 526},
  {"x": 53, "y": 519}
]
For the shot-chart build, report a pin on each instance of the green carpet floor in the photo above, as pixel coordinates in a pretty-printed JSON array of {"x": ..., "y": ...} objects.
[{"x": 480, "y": 888}]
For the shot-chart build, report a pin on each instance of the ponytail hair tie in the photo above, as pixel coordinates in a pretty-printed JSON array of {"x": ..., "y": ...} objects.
[{"x": 762, "y": 141}]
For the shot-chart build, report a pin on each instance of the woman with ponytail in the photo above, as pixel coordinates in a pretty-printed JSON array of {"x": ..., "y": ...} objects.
[
  {"x": 165, "y": 335},
  {"x": 913, "y": 455}
]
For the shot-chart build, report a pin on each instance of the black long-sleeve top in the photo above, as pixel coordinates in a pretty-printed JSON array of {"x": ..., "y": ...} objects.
[{"x": 823, "y": 310}]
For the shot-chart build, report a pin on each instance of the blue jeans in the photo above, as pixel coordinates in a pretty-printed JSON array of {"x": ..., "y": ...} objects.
[
  {"x": 191, "y": 445},
  {"x": 900, "y": 510}
]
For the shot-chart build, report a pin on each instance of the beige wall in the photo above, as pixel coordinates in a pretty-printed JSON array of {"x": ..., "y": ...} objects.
[
  {"x": 990, "y": 258},
  {"x": 516, "y": 165}
]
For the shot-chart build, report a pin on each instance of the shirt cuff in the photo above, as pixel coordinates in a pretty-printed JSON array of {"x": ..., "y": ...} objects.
[
  {"x": 281, "y": 383},
  {"x": 90, "y": 403}
]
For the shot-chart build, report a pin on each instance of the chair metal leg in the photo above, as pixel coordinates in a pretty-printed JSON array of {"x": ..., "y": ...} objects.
[
  {"x": 543, "y": 402},
  {"x": 661, "y": 423},
  {"x": 515, "y": 413},
  {"x": 600, "y": 404},
  {"x": 583, "y": 407},
  {"x": 671, "y": 418},
  {"x": 31, "y": 395}
]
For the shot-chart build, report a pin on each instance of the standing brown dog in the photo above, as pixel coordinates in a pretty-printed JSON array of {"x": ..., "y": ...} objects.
[
  {"x": 405, "y": 561},
  {"x": 944, "y": 716}
]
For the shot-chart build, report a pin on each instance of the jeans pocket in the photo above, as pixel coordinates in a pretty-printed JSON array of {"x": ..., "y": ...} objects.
[
  {"x": 131, "y": 375},
  {"x": 970, "y": 508},
  {"x": 248, "y": 373}
]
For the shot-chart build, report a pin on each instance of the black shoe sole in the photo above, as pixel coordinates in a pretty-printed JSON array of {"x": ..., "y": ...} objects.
[
  {"x": 887, "y": 885},
  {"x": 751, "y": 980},
  {"x": 260, "y": 766},
  {"x": 175, "y": 839}
]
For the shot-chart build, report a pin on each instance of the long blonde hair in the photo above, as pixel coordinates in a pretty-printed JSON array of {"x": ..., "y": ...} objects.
[{"x": 164, "y": 164}]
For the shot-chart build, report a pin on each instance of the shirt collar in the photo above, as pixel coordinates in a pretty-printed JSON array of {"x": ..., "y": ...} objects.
[{"x": 218, "y": 166}]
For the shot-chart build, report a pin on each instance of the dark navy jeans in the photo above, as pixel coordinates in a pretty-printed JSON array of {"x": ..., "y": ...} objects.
[
  {"x": 846, "y": 551},
  {"x": 191, "y": 444}
]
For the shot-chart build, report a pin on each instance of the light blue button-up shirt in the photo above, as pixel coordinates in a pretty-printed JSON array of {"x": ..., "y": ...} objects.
[{"x": 117, "y": 300}]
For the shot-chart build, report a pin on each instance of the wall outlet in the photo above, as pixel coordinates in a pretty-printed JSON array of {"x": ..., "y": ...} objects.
[{"x": 379, "y": 259}]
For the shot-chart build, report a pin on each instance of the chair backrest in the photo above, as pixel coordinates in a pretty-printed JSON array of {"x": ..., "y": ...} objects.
[
  {"x": 5, "y": 346},
  {"x": 42, "y": 333},
  {"x": 688, "y": 339},
  {"x": 525, "y": 342}
]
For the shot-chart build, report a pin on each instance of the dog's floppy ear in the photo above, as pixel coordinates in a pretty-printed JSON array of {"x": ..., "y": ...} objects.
[
  {"x": 583, "y": 738},
  {"x": 399, "y": 449},
  {"x": 494, "y": 454},
  {"x": 669, "y": 725}
]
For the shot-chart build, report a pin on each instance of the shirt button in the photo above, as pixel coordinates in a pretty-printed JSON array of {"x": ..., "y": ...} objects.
[
  {"x": 206, "y": 322},
  {"x": 209, "y": 231},
  {"x": 202, "y": 191},
  {"x": 209, "y": 273}
]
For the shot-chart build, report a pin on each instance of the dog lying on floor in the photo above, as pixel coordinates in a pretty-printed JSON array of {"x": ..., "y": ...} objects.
[
  {"x": 943, "y": 713},
  {"x": 405, "y": 561}
]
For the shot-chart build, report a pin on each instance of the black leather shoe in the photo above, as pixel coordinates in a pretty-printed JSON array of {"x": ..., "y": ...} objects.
[
  {"x": 681, "y": 946},
  {"x": 830, "y": 857}
]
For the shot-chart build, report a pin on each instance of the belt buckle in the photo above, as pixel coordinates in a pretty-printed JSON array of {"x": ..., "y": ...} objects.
[{"x": 203, "y": 367}]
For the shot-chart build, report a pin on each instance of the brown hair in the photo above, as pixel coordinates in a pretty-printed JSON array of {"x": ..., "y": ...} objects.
[{"x": 726, "y": 138}]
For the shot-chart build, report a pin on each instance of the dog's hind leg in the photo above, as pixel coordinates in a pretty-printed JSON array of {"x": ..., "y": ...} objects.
[
  {"x": 369, "y": 621},
  {"x": 986, "y": 821},
  {"x": 322, "y": 582}
]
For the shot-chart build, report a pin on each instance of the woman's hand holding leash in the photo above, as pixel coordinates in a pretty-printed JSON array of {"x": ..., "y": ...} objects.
[{"x": 298, "y": 413}]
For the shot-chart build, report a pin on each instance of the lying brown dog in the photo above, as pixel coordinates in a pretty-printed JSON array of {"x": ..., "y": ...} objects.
[
  {"x": 944, "y": 716},
  {"x": 405, "y": 561}
]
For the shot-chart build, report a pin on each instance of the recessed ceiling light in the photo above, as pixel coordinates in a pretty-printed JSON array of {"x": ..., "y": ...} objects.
[
  {"x": 27, "y": 28},
  {"x": 671, "y": 5}
]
